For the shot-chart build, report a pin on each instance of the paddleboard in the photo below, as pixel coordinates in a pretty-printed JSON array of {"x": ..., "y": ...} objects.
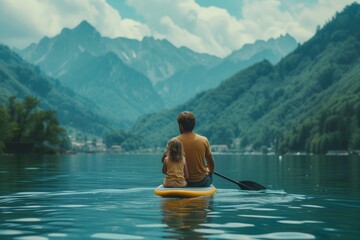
[{"x": 187, "y": 192}]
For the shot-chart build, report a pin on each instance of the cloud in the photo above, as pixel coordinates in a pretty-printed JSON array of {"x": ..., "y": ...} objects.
[
  {"x": 23, "y": 22},
  {"x": 207, "y": 29},
  {"x": 298, "y": 18},
  {"x": 185, "y": 23},
  {"x": 213, "y": 30}
]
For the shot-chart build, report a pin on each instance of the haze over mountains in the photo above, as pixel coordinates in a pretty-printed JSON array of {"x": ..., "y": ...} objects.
[
  {"x": 241, "y": 99},
  {"x": 67, "y": 55},
  {"x": 184, "y": 84},
  {"x": 157, "y": 59}
]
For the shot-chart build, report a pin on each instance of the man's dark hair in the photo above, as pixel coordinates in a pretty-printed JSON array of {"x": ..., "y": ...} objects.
[{"x": 186, "y": 120}]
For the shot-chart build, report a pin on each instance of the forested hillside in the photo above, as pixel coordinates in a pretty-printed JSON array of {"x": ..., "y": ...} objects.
[
  {"x": 19, "y": 78},
  {"x": 302, "y": 103}
]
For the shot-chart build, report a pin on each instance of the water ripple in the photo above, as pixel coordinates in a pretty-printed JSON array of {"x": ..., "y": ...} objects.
[
  {"x": 276, "y": 235},
  {"x": 115, "y": 236},
  {"x": 261, "y": 216},
  {"x": 312, "y": 206},
  {"x": 151, "y": 225},
  {"x": 227, "y": 225},
  {"x": 298, "y": 222},
  {"x": 9, "y": 232},
  {"x": 25, "y": 220}
]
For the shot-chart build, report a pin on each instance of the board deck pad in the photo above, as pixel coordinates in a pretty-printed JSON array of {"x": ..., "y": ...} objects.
[{"x": 186, "y": 192}]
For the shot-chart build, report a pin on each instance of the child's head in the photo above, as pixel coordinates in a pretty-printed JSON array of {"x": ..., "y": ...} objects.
[{"x": 174, "y": 150}]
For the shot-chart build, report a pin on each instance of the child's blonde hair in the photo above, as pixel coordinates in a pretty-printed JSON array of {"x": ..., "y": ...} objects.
[{"x": 175, "y": 150}]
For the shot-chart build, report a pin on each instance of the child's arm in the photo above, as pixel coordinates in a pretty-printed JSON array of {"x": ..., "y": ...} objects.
[
  {"x": 186, "y": 173},
  {"x": 164, "y": 168}
]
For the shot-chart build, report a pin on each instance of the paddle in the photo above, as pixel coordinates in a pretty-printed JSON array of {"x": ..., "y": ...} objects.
[{"x": 244, "y": 185}]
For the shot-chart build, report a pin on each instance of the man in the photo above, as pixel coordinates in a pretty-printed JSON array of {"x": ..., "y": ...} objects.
[{"x": 197, "y": 150}]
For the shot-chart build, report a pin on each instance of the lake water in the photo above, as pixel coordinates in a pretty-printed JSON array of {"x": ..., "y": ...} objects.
[{"x": 110, "y": 196}]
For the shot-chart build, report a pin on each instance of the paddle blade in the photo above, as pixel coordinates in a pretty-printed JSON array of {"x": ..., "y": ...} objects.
[{"x": 250, "y": 185}]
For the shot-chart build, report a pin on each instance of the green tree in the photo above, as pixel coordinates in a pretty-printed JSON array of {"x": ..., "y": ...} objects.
[
  {"x": 355, "y": 140},
  {"x": 115, "y": 138},
  {"x": 22, "y": 114},
  {"x": 45, "y": 128},
  {"x": 41, "y": 129},
  {"x": 5, "y": 127},
  {"x": 127, "y": 141}
]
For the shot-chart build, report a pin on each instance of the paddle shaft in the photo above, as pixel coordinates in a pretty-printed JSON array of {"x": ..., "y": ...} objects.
[
  {"x": 244, "y": 185},
  {"x": 229, "y": 179}
]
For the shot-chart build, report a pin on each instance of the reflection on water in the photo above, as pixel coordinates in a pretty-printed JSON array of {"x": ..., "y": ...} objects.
[
  {"x": 183, "y": 216},
  {"x": 111, "y": 197}
]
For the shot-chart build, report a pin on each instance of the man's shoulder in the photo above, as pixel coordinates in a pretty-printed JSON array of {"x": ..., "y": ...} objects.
[
  {"x": 192, "y": 136},
  {"x": 201, "y": 137}
]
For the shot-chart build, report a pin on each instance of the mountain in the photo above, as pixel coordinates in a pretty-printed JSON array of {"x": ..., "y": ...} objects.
[
  {"x": 122, "y": 92},
  {"x": 115, "y": 73},
  {"x": 185, "y": 84},
  {"x": 308, "y": 101},
  {"x": 156, "y": 59},
  {"x": 272, "y": 50},
  {"x": 20, "y": 78}
]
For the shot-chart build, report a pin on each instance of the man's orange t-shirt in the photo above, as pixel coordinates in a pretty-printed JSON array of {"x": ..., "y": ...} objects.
[{"x": 197, "y": 149}]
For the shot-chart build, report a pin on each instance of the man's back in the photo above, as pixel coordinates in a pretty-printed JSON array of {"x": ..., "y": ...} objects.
[{"x": 197, "y": 149}]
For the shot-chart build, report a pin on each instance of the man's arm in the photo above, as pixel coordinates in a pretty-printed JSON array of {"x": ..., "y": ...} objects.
[
  {"x": 209, "y": 158},
  {"x": 210, "y": 163}
]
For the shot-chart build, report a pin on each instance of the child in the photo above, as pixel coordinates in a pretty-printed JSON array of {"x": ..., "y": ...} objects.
[{"x": 174, "y": 165}]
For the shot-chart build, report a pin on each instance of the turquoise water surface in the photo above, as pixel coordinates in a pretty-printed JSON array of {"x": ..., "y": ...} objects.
[{"x": 110, "y": 196}]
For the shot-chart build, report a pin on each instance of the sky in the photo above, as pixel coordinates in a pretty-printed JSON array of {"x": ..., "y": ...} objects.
[{"x": 216, "y": 27}]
